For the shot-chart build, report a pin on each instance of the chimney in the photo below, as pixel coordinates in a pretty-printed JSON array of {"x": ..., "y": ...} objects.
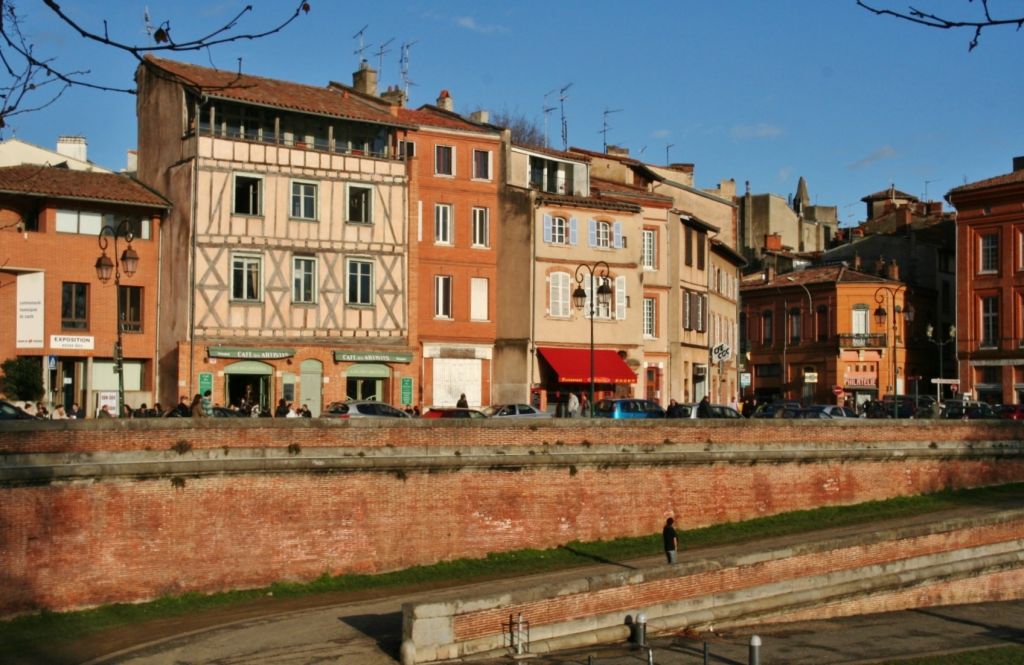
[
  {"x": 773, "y": 242},
  {"x": 616, "y": 151},
  {"x": 445, "y": 101},
  {"x": 365, "y": 80},
  {"x": 394, "y": 96},
  {"x": 482, "y": 117},
  {"x": 892, "y": 270},
  {"x": 769, "y": 273},
  {"x": 74, "y": 147},
  {"x": 132, "y": 162},
  {"x": 685, "y": 168},
  {"x": 1018, "y": 163}
]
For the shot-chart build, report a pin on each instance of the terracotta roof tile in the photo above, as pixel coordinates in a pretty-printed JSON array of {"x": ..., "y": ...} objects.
[
  {"x": 1005, "y": 179},
  {"x": 336, "y": 101},
  {"x": 561, "y": 154},
  {"x": 432, "y": 116},
  {"x": 79, "y": 185},
  {"x": 889, "y": 193},
  {"x": 829, "y": 274}
]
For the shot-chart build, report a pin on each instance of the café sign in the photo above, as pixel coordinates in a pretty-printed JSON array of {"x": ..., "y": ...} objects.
[
  {"x": 372, "y": 357},
  {"x": 242, "y": 353}
]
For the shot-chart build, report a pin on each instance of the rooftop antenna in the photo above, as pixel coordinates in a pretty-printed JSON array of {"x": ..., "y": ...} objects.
[
  {"x": 926, "y": 183},
  {"x": 403, "y": 62},
  {"x": 667, "y": 147},
  {"x": 605, "y": 127},
  {"x": 362, "y": 47},
  {"x": 380, "y": 54},
  {"x": 643, "y": 150},
  {"x": 545, "y": 111},
  {"x": 562, "y": 96}
]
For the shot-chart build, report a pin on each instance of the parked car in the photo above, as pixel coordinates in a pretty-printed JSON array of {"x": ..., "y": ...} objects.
[
  {"x": 361, "y": 409},
  {"x": 769, "y": 409},
  {"x": 514, "y": 411},
  {"x": 1011, "y": 411},
  {"x": 9, "y": 411},
  {"x": 814, "y": 414},
  {"x": 832, "y": 410},
  {"x": 900, "y": 406},
  {"x": 628, "y": 408},
  {"x": 452, "y": 412},
  {"x": 690, "y": 411},
  {"x": 225, "y": 412},
  {"x": 967, "y": 410}
]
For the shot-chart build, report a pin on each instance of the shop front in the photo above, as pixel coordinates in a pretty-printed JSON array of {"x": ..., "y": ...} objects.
[
  {"x": 374, "y": 375},
  {"x": 565, "y": 370},
  {"x": 248, "y": 379}
]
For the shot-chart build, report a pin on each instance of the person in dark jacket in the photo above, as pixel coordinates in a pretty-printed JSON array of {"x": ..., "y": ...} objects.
[
  {"x": 670, "y": 539},
  {"x": 704, "y": 408}
]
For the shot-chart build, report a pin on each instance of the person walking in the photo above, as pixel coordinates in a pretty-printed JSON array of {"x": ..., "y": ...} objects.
[
  {"x": 573, "y": 406},
  {"x": 196, "y": 409},
  {"x": 670, "y": 539},
  {"x": 282, "y": 408},
  {"x": 704, "y": 408},
  {"x": 584, "y": 405},
  {"x": 462, "y": 403}
]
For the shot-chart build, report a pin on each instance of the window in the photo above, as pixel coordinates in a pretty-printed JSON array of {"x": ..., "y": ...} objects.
[
  {"x": 649, "y": 249},
  {"x": 479, "y": 299},
  {"x": 989, "y": 259},
  {"x": 304, "y": 200},
  {"x": 558, "y": 231},
  {"x": 601, "y": 310},
  {"x": 89, "y": 223},
  {"x": 74, "y": 306},
  {"x": 649, "y": 317},
  {"x": 360, "y": 202},
  {"x": 860, "y": 319},
  {"x": 248, "y": 195},
  {"x": 794, "y": 325},
  {"x": 701, "y": 243},
  {"x": 406, "y": 149},
  {"x": 246, "y": 283},
  {"x": 443, "y": 224},
  {"x": 360, "y": 282},
  {"x": 129, "y": 308},
  {"x": 768, "y": 370},
  {"x": 442, "y": 296},
  {"x": 559, "y": 287},
  {"x": 687, "y": 318},
  {"x": 700, "y": 307},
  {"x": 766, "y": 327},
  {"x": 444, "y": 163},
  {"x": 481, "y": 228},
  {"x": 600, "y": 234},
  {"x": 689, "y": 245},
  {"x": 304, "y": 279},
  {"x": 822, "y": 323},
  {"x": 990, "y": 321},
  {"x": 481, "y": 165}
]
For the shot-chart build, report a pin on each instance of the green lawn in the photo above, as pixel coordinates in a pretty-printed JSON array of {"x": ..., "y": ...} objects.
[
  {"x": 996, "y": 656},
  {"x": 48, "y": 627}
]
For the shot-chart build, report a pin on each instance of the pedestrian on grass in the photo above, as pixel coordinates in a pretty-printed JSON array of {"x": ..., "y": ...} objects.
[{"x": 671, "y": 540}]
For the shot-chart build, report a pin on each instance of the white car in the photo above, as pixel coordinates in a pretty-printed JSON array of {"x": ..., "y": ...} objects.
[{"x": 514, "y": 411}]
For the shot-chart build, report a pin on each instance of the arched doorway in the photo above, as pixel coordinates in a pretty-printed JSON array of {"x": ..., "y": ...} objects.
[
  {"x": 367, "y": 381},
  {"x": 311, "y": 385},
  {"x": 249, "y": 381}
]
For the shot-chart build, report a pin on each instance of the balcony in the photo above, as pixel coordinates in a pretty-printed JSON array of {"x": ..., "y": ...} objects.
[{"x": 863, "y": 341}]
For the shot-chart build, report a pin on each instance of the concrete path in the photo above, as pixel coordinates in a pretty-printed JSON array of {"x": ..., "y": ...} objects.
[{"x": 369, "y": 632}]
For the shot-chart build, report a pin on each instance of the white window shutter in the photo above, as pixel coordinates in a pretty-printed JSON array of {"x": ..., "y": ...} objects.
[
  {"x": 592, "y": 232},
  {"x": 620, "y": 298},
  {"x": 617, "y": 234},
  {"x": 547, "y": 228},
  {"x": 572, "y": 231}
]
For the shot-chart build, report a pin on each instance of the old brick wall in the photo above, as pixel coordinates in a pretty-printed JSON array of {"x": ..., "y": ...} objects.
[{"x": 98, "y": 512}]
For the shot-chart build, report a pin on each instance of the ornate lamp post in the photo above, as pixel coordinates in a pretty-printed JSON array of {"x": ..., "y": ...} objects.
[
  {"x": 880, "y": 317},
  {"x": 950, "y": 337},
  {"x": 129, "y": 262},
  {"x": 602, "y": 296}
]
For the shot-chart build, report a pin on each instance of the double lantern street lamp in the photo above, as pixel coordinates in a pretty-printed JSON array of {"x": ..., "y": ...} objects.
[
  {"x": 880, "y": 317},
  {"x": 950, "y": 337},
  {"x": 105, "y": 266},
  {"x": 602, "y": 298}
]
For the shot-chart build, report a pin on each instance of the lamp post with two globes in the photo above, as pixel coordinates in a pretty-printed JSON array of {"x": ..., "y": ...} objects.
[
  {"x": 602, "y": 296},
  {"x": 105, "y": 266}
]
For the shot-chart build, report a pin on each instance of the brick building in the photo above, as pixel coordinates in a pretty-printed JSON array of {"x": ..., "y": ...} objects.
[
  {"x": 53, "y": 304},
  {"x": 287, "y": 246},
  {"x": 990, "y": 300}
]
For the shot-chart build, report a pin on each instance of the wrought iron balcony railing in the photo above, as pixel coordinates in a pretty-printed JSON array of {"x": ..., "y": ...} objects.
[{"x": 863, "y": 341}]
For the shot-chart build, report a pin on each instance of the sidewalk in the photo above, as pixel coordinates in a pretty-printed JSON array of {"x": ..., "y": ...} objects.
[{"x": 368, "y": 630}]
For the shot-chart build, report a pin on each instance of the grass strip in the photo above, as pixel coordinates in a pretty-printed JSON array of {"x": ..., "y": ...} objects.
[
  {"x": 50, "y": 627},
  {"x": 1009, "y": 655}
]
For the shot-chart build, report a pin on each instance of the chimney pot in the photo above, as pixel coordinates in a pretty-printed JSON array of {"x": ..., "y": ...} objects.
[
  {"x": 74, "y": 147},
  {"x": 445, "y": 101},
  {"x": 1018, "y": 163},
  {"x": 365, "y": 80}
]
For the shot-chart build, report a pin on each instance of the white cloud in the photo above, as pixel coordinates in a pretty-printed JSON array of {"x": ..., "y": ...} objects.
[
  {"x": 761, "y": 130},
  {"x": 885, "y": 152},
  {"x": 469, "y": 23},
  {"x": 662, "y": 133},
  {"x": 785, "y": 173}
]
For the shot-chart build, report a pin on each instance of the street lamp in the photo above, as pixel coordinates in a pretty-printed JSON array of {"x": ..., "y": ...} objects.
[
  {"x": 950, "y": 337},
  {"x": 880, "y": 317},
  {"x": 810, "y": 308},
  {"x": 129, "y": 262},
  {"x": 602, "y": 296}
]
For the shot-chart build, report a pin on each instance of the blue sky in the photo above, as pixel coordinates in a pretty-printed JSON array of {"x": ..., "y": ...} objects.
[{"x": 754, "y": 90}]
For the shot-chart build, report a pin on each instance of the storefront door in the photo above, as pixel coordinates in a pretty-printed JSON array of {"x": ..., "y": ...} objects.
[
  {"x": 249, "y": 384},
  {"x": 367, "y": 381}
]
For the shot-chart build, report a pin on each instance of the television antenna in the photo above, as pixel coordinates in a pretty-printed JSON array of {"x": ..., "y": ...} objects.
[
  {"x": 605, "y": 127},
  {"x": 926, "y": 183},
  {"x": 545, "y": 111},
  {"x": 380, "y": 54},
  {"x": 362, "y": 47},
  {"x": 667, "y": 148},
  {"x": 403, "y": 62},
  {"x": 562, "y": 96}
]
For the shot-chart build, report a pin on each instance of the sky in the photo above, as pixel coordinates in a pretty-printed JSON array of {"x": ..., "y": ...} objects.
[{"x": 763, "y": 91}]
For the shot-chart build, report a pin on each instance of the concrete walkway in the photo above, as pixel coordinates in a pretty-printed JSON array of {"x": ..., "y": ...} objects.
[{"x": 368, "y": 632}]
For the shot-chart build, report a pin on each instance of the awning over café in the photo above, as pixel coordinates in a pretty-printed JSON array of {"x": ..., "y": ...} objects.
[{"x": 573, "y": 365}]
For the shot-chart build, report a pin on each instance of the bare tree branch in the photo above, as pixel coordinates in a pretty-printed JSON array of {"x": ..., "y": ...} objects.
[
  {"x": 931, "y": 20},
  {"x": 34, "y": 76}
]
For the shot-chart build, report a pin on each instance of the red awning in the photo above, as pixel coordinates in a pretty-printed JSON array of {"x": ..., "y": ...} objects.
[{"x": 573, "y": 365}]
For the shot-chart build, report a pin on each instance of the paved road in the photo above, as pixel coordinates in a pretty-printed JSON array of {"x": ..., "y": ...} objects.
[{"x": 368, "y": 632}]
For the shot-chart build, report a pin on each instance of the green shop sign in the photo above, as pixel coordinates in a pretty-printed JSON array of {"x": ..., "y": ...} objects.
[
  {"x": 372, "y": 357},
  {"x": 248, "y": 353}
]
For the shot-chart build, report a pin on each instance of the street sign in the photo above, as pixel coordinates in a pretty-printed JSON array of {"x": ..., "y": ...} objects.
[
  {"x": 948, "y": 382},
  {"x": 837, "y": 390},
  {"x": 745, "y": 379},
  {"x": 51, "y": 362},
  {"x": 810, "y": 377},
  {"x": 721, "y": 352},
  {"x": 406, "y": 391}
]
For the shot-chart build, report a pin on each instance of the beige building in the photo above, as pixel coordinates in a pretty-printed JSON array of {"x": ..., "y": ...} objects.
[{"x": 287, "y": 245}]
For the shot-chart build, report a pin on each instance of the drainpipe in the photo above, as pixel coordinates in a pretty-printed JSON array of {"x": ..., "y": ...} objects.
[{"x": 192, "y": 259}]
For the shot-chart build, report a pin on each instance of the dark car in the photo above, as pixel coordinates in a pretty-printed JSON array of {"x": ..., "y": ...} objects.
[
  {"x": 628, "y": 408},
  {"x": 453, "y": 412},
  {"x": 362, "y": 409},
  {"x": 832, "y": 410},
  {"x": 967, "y": 410},
  {"x": 9, "y": 411},
  {"x": 769, "y": 409},
  {"x": 901, "y": 406},
  {"x": 1011, "y": 411},
  {"x": 225, "y": 412},
  {"x": 690, "y": 411}
]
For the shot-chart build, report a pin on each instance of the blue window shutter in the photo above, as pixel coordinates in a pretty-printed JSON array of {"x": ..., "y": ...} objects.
[
  {"x": 617, "y": 234},
  {"x": 547, "y": 228},
  {"x": 572, "y": 230},
  {"x": 592, "y": 232}
]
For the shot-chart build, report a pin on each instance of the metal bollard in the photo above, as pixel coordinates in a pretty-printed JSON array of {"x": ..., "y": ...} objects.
[
  {"x": 707, "y": 653},
  {"x": 650, "y": 656},
  {"x": 755, "y": 650},
  {"x": 639, "y": 632}
]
